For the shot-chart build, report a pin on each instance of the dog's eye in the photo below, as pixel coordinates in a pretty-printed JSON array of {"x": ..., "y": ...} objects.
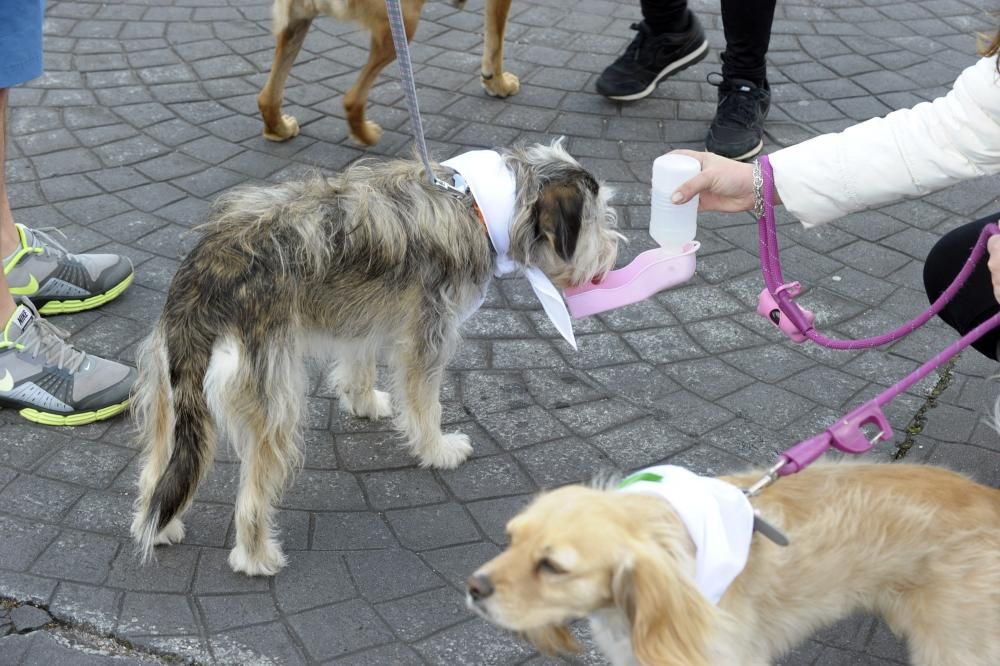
[{"x": 545, "y": 565}]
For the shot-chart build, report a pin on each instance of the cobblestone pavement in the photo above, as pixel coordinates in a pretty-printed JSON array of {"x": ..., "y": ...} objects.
[{"x": 147, "y": 112}]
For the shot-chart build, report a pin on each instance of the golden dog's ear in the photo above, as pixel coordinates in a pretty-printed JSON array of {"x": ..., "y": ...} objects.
[
  {"x": 552, "y": 640},
  {"x": 559, "y": 215},
  {"x": 670, "y": 618}
]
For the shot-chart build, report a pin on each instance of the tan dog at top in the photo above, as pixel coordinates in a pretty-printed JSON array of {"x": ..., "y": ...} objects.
[
  {"x": 919, "y": 546},
  {"x": 291, "y": 21}
]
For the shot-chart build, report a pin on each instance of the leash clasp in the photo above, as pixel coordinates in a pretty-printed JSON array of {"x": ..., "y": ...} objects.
[
  {"x": 768, "y": 308},
  {"x": 770, "y": 476},
  {"x": 449, "y": 188},
  {"x": 847, "y": 435}
]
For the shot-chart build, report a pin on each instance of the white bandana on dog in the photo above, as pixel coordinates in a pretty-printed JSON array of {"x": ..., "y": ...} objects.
[
  {"x": 492, "y": 186},
  {"x": 717, "y": 515}
]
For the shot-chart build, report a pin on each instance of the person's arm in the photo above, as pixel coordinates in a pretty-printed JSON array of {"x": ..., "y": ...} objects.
[{"x": 908, "y": 153}]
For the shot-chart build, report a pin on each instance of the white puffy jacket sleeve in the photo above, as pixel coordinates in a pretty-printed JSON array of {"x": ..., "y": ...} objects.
[{"x": 908, "y": 153}]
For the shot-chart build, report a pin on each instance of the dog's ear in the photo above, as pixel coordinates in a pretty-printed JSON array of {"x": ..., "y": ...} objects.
[
  {"x": 670, "y": 619},
  {"x": 552, "y": 640},
  {"x": 559, "y": 216}
]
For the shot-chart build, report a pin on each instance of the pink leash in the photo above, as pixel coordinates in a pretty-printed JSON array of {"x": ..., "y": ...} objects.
[{"x": 777, "y": 305}]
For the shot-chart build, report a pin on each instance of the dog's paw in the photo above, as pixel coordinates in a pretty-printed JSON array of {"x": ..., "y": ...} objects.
[
  {"x": 284, "y": 130},
  {"x": 449, "y": 452},
  {"x": 172, "y": 533},
  {"x": 374, "y": 405},
  {"x": 504, "y": 85},
  {"x": 266, "y": 563},
  {"x": 366, "y": 133}
]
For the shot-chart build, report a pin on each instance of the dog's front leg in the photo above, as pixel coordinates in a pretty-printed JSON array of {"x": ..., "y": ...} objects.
[
  {"x": 419, "y": 370},
  {"x": 497, "y": 82}
]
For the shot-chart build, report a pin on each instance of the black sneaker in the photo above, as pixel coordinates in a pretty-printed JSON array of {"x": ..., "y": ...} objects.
[
  {"x": 651, "y": 57},
  {"x": 737, "y": 131}
]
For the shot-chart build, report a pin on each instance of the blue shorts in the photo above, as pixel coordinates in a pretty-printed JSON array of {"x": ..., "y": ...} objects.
[{"x": 20, "y": 41}]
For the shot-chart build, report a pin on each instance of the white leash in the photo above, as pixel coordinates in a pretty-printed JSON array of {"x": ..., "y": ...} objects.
[{"x": 410, "y": 89}]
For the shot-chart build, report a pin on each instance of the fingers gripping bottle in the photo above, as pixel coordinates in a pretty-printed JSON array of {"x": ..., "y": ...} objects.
[{"x": 671, "y": 225}]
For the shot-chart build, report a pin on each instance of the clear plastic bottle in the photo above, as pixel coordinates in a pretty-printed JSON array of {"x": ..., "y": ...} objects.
[{"x": 672, "y": 225}]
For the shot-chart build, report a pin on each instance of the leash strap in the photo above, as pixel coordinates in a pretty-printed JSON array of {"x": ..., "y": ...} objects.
[
  {"x": 783, "y": 293},
  {"x": 398, "y": 29},
  {"x": 848, "y": 434}
]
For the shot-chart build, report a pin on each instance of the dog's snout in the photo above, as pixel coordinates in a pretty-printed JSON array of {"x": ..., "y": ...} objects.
[{"x": 480, "y": 587}]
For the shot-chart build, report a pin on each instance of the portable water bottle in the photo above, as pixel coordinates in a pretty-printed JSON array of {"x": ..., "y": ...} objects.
[
  {"x": 672, "y": 225},
  {"x": 673, "y": 263}
]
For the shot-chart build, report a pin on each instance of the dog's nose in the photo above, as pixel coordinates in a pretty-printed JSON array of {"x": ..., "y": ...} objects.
[{"x": 480, "y": 587}]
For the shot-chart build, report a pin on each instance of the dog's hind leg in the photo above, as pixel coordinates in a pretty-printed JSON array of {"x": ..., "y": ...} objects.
[
  {"x": 354, "y": 376},
  {"x": 419, "y": 370},
  {"x": 497, "y": 82},
  {"x": 265, "y": 407},
  {"x": 153, "y": 409},
  {"x": 290, "y": 31}
]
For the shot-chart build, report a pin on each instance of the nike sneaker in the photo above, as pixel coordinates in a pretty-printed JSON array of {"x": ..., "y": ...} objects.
[
  {"x": 59, "y": 282},
  {"x": 50, "y": 381},
  {"x": 650, "y": 58}
]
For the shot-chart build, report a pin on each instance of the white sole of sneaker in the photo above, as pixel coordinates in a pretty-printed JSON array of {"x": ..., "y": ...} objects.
[
  {"x": 675, "y": 66},
  {"x": 750, "y": 153}
]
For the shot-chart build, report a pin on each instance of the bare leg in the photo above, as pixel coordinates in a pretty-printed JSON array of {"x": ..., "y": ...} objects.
[
  {"x": 278, "y": 126},
  {"x": 496, "y": 81},
  {"x": 8, "y": 234}
]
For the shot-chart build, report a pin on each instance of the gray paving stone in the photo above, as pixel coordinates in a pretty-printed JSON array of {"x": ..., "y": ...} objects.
[
  {"x": 339, "y": 629},
  {"x": 423, "y": 528},
  {"x": 156, "y": 615},
  {"x": 78, "y": 557},
  {"x": 424, "y": 613},
  {"x": 29, "y": 618},
  {"x": 87, "y": 605}
]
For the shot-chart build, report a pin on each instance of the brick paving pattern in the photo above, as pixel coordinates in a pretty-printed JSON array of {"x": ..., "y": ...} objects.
[{"x": 147, "y": 112}]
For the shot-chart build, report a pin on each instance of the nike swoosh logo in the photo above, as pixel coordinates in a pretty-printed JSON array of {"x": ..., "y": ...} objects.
[
  {"x": 7, "y": 383},
  {"x": 28, "y": 289}
]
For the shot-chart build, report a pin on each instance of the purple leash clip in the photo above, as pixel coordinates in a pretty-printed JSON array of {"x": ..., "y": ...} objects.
[{"x": 847, "y": 434}]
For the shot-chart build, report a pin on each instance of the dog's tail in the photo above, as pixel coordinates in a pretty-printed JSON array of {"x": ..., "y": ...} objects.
[{"x": 176, "y": 425}]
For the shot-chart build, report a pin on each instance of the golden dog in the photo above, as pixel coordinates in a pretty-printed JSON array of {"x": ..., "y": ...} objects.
[{"x": 919, "y": 546}]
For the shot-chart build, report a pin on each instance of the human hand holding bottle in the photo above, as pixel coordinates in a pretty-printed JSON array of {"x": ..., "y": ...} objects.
[{"x": 723, "y": 185}]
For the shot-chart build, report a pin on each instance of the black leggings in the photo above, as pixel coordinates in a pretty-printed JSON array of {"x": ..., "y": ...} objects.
[
  {"x": 746, "y": 23},
  {"x": 975, "y": 302}
]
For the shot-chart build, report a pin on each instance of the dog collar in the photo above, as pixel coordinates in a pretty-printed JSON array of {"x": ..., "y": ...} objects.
[
  {"x": 717, "y": 515},
  {"x": 484, "y": 174}
]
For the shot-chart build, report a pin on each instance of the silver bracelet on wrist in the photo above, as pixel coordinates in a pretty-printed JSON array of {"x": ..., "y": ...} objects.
[{"x": 758, "y": 190}]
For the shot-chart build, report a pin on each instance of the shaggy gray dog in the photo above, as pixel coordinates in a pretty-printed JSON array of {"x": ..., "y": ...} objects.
[{"x": 373, "y": 260}]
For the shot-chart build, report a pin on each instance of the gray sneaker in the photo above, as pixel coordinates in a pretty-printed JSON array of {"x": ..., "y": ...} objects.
[
  {"x": 59, "y": 282},
  {"x": 53, "y": 383}
]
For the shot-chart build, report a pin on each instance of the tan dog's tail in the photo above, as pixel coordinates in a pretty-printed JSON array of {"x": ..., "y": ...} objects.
[{"x": 175, "y": 424}]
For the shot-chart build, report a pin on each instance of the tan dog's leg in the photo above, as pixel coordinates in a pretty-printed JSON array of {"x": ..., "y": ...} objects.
[
  {"x": 380, "y": 53},
  {"x": 278, "y": 126},
  {"x": 497, "y": 82}
]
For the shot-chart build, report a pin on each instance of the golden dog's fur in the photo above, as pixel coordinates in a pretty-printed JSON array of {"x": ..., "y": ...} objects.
[
  {"x": 291, "y": 21},
  {"x": 919, "y": 546}
]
